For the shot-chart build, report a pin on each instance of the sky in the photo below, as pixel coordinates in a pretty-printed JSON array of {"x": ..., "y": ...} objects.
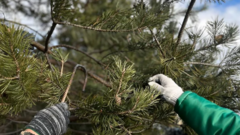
[{"x": 230, "y": 11}]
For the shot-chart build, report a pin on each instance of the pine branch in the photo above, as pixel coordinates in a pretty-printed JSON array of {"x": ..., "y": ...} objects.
[
  {"x": 49, "y": 36},
  {"x": 97, "y": 29},
  {"x": 68, "y": 46},
  {"x": 185, "y": 22}
]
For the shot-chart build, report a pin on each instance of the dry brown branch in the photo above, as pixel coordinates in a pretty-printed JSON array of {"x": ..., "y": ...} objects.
[
  {"x": 70, "y": 81},
  {"x": 97, "y": 78}
]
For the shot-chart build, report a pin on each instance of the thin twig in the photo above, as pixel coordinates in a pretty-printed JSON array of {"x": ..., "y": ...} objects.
[
  {"x": 128, "y": 132},
  {"x": 159, "y": 45},
  {"x": 130, "y": 111},
  {"x": 97, "y": 29},
  {"x": 185, "y": 22},
  {"x": 62, "y": 63},
  {"x": 22, "y": 25},
  {"x": 74, "y": 48},
  {"x": 4, "y": 126},
  {"x": 16, "y": 121},
  {"x": 216, "y": 92},
  {"x": 10, "y": 78},
  {"x": 101, "y": 51},
  {"x": 49, "y": 36},
  {"x": 200, "y": 63},
  {"x": 50, "y": 65},
  {"x": 70, "y": 81},
  {"x": 79, "y": 132},
  {"x": 173, "y": 58},
  {"x": 48, "y": 61}
]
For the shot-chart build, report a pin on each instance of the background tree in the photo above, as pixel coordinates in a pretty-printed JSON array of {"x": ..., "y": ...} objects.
[{"x": 119, "y": 45}]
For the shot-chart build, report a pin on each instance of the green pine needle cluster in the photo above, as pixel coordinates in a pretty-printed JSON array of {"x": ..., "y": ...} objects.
[
  {"x": 122, "y": 108},
  {"x": 24, "y": 79}
]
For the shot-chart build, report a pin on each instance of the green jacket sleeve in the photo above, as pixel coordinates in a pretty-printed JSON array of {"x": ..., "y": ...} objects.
[{"x": 205, "y": 117}]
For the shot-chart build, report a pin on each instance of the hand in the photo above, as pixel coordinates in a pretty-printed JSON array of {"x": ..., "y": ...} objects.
[
  {"x": 168, "y": 88},
  {"x": 51, "y": 121}
]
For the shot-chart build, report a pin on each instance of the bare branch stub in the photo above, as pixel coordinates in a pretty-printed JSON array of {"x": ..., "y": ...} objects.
[
  {"x": 71, "y": 79},
  {"x": 39, "y": 46}
]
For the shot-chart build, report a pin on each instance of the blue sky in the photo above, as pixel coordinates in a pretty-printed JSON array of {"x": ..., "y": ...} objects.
[
  {"x": 226, "y": 4},
  {"x": 230, "y": 11}
]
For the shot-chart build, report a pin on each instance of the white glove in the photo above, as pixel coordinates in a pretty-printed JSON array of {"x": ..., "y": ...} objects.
[{"x": 168, "y": 88}]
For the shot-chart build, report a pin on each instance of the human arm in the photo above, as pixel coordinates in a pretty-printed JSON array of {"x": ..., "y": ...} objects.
[
  {"x": 205, "y": 117},
  {"x": 49, "y": 121}
]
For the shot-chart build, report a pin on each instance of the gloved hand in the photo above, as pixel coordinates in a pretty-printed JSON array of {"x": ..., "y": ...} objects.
[
  {"x": 167, "y": 87},
  {"x": 51, "y": 121}
]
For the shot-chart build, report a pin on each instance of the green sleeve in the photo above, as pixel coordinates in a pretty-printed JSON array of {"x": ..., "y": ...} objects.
[{"x": 205, "y": 117}]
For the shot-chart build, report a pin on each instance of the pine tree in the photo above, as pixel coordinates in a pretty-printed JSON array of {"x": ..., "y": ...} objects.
[{"x": 117, "y": 46}]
